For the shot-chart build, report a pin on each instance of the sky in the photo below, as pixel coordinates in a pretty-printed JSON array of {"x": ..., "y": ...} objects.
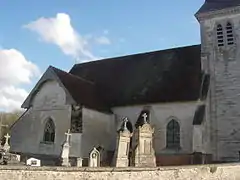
[{"x": 36, "y": 34}]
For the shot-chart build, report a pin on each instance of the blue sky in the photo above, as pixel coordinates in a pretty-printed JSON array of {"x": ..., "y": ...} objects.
[{"x": 108, "y": 28}]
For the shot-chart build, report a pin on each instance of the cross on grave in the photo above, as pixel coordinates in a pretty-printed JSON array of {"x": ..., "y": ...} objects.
[
  {"x": 145, "y": 118},
  {"x": 7, "y": 138},
  {"x": 68, "y": 134}
]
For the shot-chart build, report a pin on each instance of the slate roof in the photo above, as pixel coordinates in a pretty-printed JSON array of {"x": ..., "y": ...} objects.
[
  {"x": 161, "y": 76},
  {"x": 213, "y": 5},
  {"x": 82, "y": 91}
]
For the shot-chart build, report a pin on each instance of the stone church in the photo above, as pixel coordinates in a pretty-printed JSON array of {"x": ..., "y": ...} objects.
[{"x": 191, "y": 96}]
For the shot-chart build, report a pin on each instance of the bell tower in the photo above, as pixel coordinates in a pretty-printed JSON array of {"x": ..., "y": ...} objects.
[{"x": 220, "y": 58}]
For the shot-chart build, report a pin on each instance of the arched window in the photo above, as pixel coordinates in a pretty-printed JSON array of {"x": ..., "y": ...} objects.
[
  {"x": 220, "y": 38},
  {"x": 229, "y": 33},
  {"x": 49, "y": 131},
  {"x": 173, "y": 134}
]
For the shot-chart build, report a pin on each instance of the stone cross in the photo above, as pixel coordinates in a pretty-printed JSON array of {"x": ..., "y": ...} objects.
[
  {"x": 7, "y": 138},
  {"x": 68, "y": 134},
  {"x": 125, "y": 120},
  {"x": 66, "y": 150},
  {"x": 6, "y": 146},
  {"x": 145, "y": 117}
]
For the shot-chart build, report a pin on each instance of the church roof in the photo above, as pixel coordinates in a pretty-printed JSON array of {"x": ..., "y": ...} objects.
[
  {"x": 82, "y": 91},
  {"x": 213, "y": 5},
  {"x": 153, "y": 77}
]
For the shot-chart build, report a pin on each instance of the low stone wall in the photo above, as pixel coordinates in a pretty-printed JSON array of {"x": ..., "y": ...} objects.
[{"x": 208, "y": 172}]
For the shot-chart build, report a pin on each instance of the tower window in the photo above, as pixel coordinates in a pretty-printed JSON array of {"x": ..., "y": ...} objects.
[
  {"x": 220, "y": 38},
  {"x": 229, "y": 33}
]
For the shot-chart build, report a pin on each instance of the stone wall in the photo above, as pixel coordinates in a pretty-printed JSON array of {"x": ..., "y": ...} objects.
[
  {"x": 223, "y": 101},
  {"x": 98, "y": 130},
  {"x": 208, "y": 172}
]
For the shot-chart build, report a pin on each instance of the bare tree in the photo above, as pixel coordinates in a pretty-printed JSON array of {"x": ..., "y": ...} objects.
[{"x": 7, "y": 119}]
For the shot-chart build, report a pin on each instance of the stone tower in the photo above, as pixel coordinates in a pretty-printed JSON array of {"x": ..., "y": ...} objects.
[
  {"x": 144, "y": 154},
  {"x": 121, "y": 156},
  {"x": 219, "y": 25}
]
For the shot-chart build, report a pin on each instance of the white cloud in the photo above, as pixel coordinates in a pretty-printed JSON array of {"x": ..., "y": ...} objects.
[
  {"x": 15, "y": 70},
  {"x": 59, "y": 31},
  {"x": 103, "y": 40}
]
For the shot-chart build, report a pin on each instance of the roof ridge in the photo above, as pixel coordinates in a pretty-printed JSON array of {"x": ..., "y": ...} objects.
[
  {"x": 135, "y": 54},
  {"x": 72, "y": 75}
]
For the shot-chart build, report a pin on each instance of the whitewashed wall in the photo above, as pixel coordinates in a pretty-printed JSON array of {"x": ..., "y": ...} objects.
[
  {"x": 98, "y": 129},
  {"x": 161, "y": 115},
  {"x": 27, "y": 133}
]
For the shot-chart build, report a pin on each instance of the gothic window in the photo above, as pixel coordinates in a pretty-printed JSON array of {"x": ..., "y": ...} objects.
[
  {"x": 173, "y": 134},
  {"x": 220, "y": 38},
  {"x": 229, "y": 34},
  {"x": 49, "y": 131}
]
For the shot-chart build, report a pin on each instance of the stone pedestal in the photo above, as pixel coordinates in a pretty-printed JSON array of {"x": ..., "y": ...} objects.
[
  {"x": 144, "y": 152},
  {"x": 66, "y": 150},
  {"x": 65, "y": 154}
]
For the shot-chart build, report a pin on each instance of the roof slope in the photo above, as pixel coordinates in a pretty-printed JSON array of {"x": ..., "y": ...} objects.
[
  {"x": 213, "y": 5},
  {"x": 82, "y": 91},
  {"x": 160, "y": 76}
]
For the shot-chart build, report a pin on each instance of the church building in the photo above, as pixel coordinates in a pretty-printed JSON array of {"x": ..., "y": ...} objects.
[{"x": 190, "y": 96}]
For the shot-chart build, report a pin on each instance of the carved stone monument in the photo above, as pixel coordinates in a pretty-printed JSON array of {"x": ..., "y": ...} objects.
[
  {"x": 144, "y": 152},
  {"x": 122, "y": 146},
  {"x": 94, "y": 159},
  {"x": 65, "y": 150}
]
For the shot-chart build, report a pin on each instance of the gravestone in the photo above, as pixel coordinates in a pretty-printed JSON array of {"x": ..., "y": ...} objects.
[
  {"x": 94, "y": 159},
  {"x": 144, "y": 152},
  {"x": 79, "y": 162},
  {"x": 33, "y": 162},
  {"x": 66, "y": 150},
  {"x": 6, "y": 157},
  {"x": 6, "y": 146},
  {"x": 121, "y": 155}
]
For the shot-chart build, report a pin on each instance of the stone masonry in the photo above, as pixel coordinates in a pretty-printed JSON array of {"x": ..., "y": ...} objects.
[
  {"x": 223, "y": 101},
  {"x": 203, "y": 172}
]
